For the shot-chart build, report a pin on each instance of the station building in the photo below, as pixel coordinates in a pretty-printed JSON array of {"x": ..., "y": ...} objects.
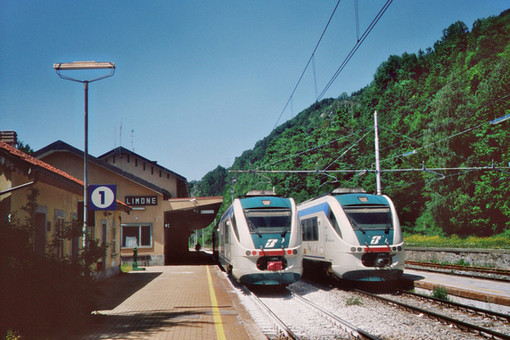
[
  {"x": 57, "y": 205},
  {"x": 163, "y": 214}
]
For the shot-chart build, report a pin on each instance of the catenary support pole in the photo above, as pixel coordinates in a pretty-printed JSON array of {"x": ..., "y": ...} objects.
[{"x": 377, "y": 163}]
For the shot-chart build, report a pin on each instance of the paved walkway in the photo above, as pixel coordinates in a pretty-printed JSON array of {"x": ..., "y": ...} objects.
[
  {"x": 490, "y": 291},
  {"x": 172, "y": 302}
]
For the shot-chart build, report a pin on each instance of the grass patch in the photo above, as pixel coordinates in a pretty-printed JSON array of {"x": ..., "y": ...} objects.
[
  {"x": 126, "y": 268},
  {"x": 440, "y": 293},
  {"x": 454, "y": 241},
  {"x": 354, "y": 301}
]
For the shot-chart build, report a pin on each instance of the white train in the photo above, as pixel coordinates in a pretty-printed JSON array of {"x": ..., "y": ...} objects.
[
  {"x": 259, "y": 240},
  {"x": 352, "y": 235}
]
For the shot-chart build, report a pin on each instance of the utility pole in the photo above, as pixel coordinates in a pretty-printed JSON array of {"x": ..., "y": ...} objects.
[{"x": 377, "y": 163}]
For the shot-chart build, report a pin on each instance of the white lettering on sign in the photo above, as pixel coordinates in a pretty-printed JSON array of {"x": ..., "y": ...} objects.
[{"x": 141, "y": 200}]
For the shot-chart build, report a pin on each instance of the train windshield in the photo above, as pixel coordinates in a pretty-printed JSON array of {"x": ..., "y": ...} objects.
[
  {"x": 369, "y": 218},
  {"x": 268, "y": 220}
]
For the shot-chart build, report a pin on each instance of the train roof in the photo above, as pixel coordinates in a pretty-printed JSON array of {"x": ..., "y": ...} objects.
[
  {"x": 361, "y": 199},
  {"x": 342, "y": 191},
  {"x": 353, "y": 196},
  {"x": 254, "y": 193},
  {"x": 255, "y": 202}
]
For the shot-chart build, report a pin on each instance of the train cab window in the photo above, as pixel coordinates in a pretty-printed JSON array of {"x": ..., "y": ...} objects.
[
  {"x": 310, "y": 229},
  {"x": 334, "y": 222},
  {"x": 234, "y": 226},
  {"x": 226, "y": 234},
  {"x": 369, "y": 217},
  {"x": 268, "y": 220}
]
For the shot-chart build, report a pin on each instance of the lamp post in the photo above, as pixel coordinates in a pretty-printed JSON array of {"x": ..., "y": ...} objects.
[{"x": 85, "y": 65}]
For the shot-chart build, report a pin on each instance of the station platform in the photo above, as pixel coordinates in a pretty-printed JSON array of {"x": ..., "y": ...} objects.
[
  {"x": 171, "y": 302},
  {"x": 489, "y": 291}
]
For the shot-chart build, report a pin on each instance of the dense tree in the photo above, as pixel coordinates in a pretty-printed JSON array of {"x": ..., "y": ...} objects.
[{"x": 434, "y": 108}]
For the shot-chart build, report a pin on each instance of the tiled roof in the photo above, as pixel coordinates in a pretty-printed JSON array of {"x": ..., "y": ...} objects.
[
  {"x": 32, "y": 160},
  {"x": 122, "y": 150},
  {"x": 60, "y": 146},
  {"x": 43, "y": 165}
]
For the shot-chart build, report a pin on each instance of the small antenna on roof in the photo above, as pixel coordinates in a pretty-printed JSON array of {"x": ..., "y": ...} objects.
[{"x": 132, "y": 140}]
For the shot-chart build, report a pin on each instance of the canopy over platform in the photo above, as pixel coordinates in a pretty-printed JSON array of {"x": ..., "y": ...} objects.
[{"x": 182, "y": 217}]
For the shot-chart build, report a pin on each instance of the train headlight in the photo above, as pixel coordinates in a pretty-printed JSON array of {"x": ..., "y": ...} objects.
[
  {"x": 359, "y": 249},
  {"x": 399, "y": 248},
  {"x": 248, "y": 253},
  {"x": 353, "y": 250},
  {"x": 294, "y": 251}
]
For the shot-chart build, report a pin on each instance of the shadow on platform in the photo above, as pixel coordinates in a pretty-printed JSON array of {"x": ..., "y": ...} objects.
[
  {"x": 110, "y": 295},
  {"x": 191, "y": 258}
]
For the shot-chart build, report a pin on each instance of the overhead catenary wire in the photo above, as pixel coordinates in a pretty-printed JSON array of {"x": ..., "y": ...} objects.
[
  {"x": 313, "y": 148},
  {"x": 467, "y": 114},
  {"x": 415, "y": 150},
  {"x": 357, "y": 45},
  {"x": 325, "y": 171},
  {"x": 307, "y": 64}
]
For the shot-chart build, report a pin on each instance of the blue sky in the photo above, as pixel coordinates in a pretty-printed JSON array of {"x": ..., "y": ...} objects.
[{"x": 197, "y": 82}]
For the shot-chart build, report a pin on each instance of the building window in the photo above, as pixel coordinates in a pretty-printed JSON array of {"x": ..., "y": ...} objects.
[
  {"x": 114, "y": 159},
  {"x": 152, "y": 170},
  {"x": 143, "y": 166},
  {"x": 128, "y": 158},
  {"x": 113, "y": 246},
  {"x": 167, "y": 176},
  {"x": 160, "y": 173},
  {"x": 59, "y": 233},
  {"x": 134, "y": 235},
  {"x": 136, "y": 161}
]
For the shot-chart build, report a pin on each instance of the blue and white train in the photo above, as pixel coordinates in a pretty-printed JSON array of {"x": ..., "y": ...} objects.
[
  {"x": 352, "y": 235},
  {"x": 259, "y": 240}
]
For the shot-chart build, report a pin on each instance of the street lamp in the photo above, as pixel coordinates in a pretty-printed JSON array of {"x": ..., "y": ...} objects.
[{"x": 85, "y": 65}]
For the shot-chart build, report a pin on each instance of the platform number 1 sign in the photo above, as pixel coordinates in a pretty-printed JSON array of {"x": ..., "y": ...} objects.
[{"x": 102, "y": 197}]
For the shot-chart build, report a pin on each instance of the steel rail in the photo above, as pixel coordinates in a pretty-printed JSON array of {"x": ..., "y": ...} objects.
[
  {"x": 279, "y": 325},
  {"x": 346, "y": 326},
  {"x": 484, "y": 270},
  {"x": 460, "y": 324},
  {"x": 477, "y": 310}
]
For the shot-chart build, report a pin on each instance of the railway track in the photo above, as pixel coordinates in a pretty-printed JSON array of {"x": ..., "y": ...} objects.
[
  {"x": 290, "y": 315},
  {"x": 460, "y": 306},
  {"x": 477, "y": 321},
  {"x": 492, "y": 273}
]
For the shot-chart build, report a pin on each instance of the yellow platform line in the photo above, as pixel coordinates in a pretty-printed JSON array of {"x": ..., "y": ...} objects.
[{"x": 220, "y": 333}]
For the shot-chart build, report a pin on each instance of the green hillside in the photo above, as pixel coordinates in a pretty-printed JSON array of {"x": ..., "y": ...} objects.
[{"x": 435, "y": 109}]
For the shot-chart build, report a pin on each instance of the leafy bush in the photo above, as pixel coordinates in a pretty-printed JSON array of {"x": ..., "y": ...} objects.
[
  {"x": 41, "y": 295},
  {"x": 440, "y": 293}
]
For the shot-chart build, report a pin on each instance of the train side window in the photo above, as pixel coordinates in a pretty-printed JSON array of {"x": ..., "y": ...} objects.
[
  {"x": 315, "y": 229},
  {"x": 310, "y": 229}
]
